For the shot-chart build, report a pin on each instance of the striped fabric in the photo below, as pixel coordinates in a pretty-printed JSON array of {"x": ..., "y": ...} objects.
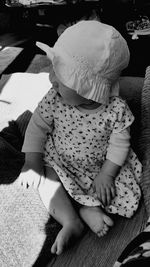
[{"x": 145, "y": 139}]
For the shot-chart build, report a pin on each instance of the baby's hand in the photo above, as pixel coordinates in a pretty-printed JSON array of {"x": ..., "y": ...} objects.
[
  {"x": 29, "y": 178},
  {"x": 104, "y": 187}
]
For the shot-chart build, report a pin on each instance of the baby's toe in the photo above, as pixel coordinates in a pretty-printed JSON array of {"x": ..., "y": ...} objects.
[
  {"x": 103, "y": 231},
  {"x": 54, "y": 248},
  {"x": 100, "y": 233},
  {"x": 107, "y": 220}
]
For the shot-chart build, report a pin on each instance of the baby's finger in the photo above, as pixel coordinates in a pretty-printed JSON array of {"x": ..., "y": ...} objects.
[
  {"x": 93, "y": 187},
  {"x": 36, "y": 183},
  {"x": 108, "y": 195},
  {"x": 113, "y": 191},
  {"x": 24, "y": 183},
  {"x": 42, "y": 180},
  {"x": 103, "y": 195},
  {"x": 19, "y": 181},
  {"x": 97, "y": 192},
  {"x": 30, "y": 182}
]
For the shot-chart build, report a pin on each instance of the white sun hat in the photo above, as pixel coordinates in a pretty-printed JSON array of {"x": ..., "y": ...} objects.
[{"x": 88, "y": 57}]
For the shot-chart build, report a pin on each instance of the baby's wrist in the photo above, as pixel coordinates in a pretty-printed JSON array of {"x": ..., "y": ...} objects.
[
  {"x": 109, "y": 168},
  {"x": 105, "y": 173}
]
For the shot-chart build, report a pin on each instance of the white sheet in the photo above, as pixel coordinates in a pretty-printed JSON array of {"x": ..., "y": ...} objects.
[{"x": 21, "y": 92}]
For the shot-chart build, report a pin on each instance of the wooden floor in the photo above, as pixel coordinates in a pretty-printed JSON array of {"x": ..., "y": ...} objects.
[
  {"x": 22, "y": 48},
  {"x": 11, "y": 46},
  {"x": 14, "y": 39}
]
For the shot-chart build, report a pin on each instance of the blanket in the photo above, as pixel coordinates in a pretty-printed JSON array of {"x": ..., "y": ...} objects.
[{"x": 27, "y": 232}]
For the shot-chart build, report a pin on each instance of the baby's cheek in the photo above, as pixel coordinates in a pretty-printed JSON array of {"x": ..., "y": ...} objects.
[{"x": 56, "y": 86}]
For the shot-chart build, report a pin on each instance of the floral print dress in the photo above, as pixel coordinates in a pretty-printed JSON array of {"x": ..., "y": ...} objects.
[{"x": 76, "y": 147}]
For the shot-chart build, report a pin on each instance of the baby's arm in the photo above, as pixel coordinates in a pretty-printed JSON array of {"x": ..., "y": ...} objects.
[
  {"x": 33, "y": 147},
  {"x": 117, "y": 152}
]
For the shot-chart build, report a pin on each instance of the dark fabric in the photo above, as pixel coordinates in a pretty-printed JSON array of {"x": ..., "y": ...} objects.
[
  {"x": 137, "y": 253},
  {"x": 11, "y": 158}
]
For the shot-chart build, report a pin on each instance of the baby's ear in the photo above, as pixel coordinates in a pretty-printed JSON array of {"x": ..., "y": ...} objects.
[{"x": 47, "y": 49}]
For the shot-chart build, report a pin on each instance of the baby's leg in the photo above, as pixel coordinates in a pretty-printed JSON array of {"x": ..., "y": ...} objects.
[
  {"x": 96, "y": 219},
  {"x": 60, "y": 207}
]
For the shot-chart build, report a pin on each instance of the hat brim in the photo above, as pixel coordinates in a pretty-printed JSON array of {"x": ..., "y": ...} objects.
[{"x": 47, "y": 49}]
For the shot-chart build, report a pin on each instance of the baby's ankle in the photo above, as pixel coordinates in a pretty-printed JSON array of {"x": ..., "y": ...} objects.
[{"x": 74, "y": 223}]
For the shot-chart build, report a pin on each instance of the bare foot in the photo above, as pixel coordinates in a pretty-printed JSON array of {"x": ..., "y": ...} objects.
[
  {"x": 67, "y": 234},
  {"x": 59, "y": 206},
  {"x": 96, "y": 219}
]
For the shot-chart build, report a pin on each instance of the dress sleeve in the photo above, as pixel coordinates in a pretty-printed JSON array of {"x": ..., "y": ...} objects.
[
  {"x": 40, "y": 124},
  {"x": 118, "y": 148},
  {"x": 124, "y": 117}
]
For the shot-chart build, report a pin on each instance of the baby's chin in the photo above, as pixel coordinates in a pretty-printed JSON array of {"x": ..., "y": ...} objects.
[{"x": 69, "y": 103}]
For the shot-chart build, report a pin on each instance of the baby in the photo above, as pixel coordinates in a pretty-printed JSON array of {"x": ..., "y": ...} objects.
[{"x": 77, "y": 144}]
